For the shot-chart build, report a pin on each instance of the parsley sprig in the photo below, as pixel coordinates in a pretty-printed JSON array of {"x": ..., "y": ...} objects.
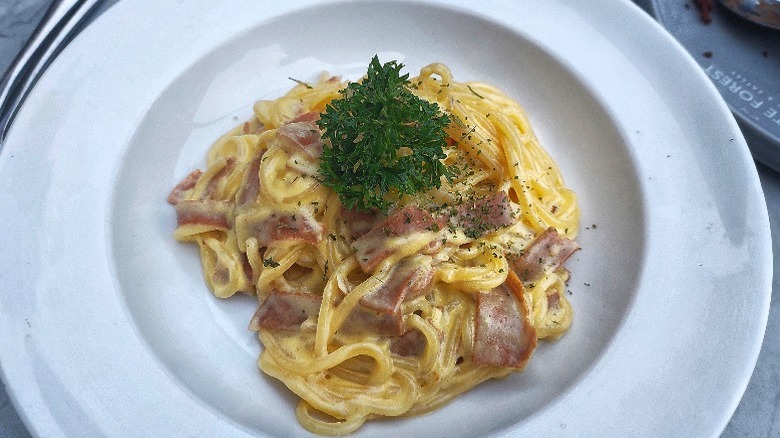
[{"x": 383, "y": 141}]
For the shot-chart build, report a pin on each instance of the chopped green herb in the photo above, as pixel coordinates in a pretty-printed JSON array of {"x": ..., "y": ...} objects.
[
  {"x": 270, "y": 263},
  {"x": 301, "y": 83},
  {"x": 475, "y": 93}
]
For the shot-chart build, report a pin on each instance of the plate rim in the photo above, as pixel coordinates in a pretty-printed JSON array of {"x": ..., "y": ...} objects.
[{"x": 116, "y": 10}]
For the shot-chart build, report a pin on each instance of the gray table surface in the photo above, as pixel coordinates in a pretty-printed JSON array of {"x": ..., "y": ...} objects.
[{"x": 758, "y": 414}]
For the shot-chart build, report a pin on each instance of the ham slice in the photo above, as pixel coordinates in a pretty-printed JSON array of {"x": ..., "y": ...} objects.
[
  {"x": 411, "y": 343},
  {"x": 220, "y": 175},
  {"x": 361, "y": 319},
  {"x": 548, "y": 251},
  {"x": 268, "y": 227},
  {"x": 484, "y": 215},
  {"x": 301, "y": 137},
  {"x": 379, "y": 311},
  {"x": 408, "y": 280},
  {"x": 375, "y": 246},
  {"x": 250, "y": 186},
  {"x": 285, "y": 311},
  {"x": 214, "y": 215},
  {"x": 253, "y": 126},
  {"x": 358, "y": 222},
  {"x": 553, "y": 300},
  {"x": 503, "y": 336},
  {"x": 310, "y": 116},
  {"x": 184, "y": 187}
]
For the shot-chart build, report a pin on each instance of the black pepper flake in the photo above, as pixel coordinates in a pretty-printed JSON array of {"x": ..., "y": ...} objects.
[{"x": 707, "y": 54}]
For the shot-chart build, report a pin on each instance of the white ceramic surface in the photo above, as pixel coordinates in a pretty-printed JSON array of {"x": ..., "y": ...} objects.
[{"x": 109, "y": 328}]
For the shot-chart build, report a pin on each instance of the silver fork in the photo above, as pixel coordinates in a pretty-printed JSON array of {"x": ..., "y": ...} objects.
[{"x": 62, "y": 21}]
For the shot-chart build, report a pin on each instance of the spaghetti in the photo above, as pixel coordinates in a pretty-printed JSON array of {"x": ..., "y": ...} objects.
[{"x": 366, "y": 315}]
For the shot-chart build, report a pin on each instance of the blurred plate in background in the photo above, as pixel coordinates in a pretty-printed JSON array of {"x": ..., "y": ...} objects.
[{"x": 741, "y": 58}]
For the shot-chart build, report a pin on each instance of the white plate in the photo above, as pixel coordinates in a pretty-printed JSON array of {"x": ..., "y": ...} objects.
[{"x": 107, "y": 326}]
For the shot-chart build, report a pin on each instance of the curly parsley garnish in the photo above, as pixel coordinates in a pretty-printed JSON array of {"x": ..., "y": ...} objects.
[{"x": 382, "y": 140}]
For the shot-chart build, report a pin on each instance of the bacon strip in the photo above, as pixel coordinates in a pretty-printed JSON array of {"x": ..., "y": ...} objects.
[
  {"x": 548, "y": 251},
  {"x": 484, "y": 215},
  {"x": 503, "y": 335},
  {"x": 206, "y": 212},
  {"x": 359, "y": 223},
  {"x": 278, "y": 225},
  {"x": 250, "y": 186},
  {"x": 553, "y": 300},
  {"x": 411, "y": 343},
  {"x": 188, "y": 183},
  {"x": 301, "y": 136},
  {"x": 220, "y": 175},
  {"x": 409, "y": 279},
  {"x": 310, "y": 116},
  {"x": 372, "y": 248},
  {"x": 285, "y": 310},
  {"x": 253, "y": 126},
  {"x": 362, "y": 319}
]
